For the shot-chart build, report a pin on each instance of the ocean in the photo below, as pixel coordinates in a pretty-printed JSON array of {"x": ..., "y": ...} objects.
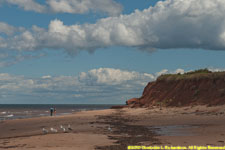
[{"x": 20, "y": 111}]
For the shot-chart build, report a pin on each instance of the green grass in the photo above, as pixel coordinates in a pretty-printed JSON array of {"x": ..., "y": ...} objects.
[{"x": 197, "y": 74}]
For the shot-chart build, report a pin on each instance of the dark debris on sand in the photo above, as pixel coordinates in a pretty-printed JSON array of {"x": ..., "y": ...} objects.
[{"x": 125, "y": 134}]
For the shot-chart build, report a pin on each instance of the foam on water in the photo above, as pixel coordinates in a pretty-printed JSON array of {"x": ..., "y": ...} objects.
[
  {"x": 20, "y": 111},
  {"x": 9, "y": 116}
]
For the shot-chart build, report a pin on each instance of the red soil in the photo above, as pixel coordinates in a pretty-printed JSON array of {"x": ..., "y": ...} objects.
[{"x": 183, "y": 90}]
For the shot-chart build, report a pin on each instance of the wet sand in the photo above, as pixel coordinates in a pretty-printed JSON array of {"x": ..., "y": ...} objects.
[{"x": 116, "y": 129}]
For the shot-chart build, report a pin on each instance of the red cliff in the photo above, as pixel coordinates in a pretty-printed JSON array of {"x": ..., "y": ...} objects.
[{"x": 194, "y": 88}]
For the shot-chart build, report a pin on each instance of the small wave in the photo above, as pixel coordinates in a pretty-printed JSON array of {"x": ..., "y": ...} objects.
[
  {"x": 64, "y": 113},
  {"x": 82, "y": 109},
  {"x": 8, "y": 116},
  {"x": 3, "y": 112},
  {"x": 42, "y": 114}
]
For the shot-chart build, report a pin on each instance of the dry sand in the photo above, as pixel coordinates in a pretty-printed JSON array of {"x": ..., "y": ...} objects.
[{"x": 115, "y": 129}]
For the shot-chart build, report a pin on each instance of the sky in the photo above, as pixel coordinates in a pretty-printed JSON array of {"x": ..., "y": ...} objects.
[{"x": 103, "y": 51}]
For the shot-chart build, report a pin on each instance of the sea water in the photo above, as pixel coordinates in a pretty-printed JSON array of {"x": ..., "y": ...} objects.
[{"x": 20, "y": 111}]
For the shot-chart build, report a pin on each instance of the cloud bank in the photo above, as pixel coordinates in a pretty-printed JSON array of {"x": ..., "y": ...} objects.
[
  {"x": 97, "y": 84},
  {"x": 169, "y": 24},
  {"x": 109, "y": 7},
  {"x": 102, "y": 85},
  {"x": 28, "y": 5}
]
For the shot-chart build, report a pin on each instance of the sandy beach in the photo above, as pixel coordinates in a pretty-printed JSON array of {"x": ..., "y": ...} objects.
[{"x": 114, "y": 129}]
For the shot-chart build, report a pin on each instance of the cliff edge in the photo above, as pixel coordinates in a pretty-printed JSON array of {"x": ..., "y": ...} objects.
[{"x": 201, "y": 87}]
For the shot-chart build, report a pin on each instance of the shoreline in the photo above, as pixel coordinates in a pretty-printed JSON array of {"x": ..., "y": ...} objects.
[
  {"x": 117, "y": 128},
  {"x": 23, "y": 111},
  {"x": 42, "y": 116}
]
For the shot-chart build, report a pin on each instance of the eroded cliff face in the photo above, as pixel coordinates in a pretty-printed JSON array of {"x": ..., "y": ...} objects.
[{"x": 183, "y": 90}]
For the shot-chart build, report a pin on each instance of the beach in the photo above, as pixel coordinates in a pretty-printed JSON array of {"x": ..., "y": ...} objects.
[{"x": 113, "y": 129}]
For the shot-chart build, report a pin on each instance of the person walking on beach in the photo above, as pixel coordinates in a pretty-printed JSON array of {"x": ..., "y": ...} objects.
[{"x": 51, "y": 111}]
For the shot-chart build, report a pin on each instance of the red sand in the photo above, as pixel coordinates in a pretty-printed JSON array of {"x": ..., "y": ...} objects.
[{"x": 204, "y": 126}]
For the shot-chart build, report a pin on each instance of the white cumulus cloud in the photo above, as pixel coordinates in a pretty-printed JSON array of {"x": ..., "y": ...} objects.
[
  {"x": 110, "y": 76},
  {"x": 28, "y": 5},
  {"x": 109, "y": 7},
  {"x": 7, "y": 29},
  {"x": 83, "y": 6},
  {"x": 180, "y": 71},
  {"x": 168, "y": 24},
  {"x": 102, "y": 83},
  {"x": 164, "y": 71},
  {"x": 216, "y": 69}
]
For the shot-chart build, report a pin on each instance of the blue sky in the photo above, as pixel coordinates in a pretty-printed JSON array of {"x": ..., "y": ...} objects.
[{"x": 32, "y": 70}]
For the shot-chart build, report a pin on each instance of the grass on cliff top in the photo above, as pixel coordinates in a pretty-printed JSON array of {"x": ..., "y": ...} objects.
[{"x": 197, "y": 74}]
